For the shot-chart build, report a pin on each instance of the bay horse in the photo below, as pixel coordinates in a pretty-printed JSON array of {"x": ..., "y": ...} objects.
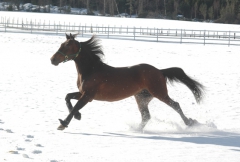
[{"x": 99, "y": 81}]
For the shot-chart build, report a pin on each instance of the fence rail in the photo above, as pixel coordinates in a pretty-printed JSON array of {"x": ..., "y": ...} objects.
[{"x": 128, "y": 33}]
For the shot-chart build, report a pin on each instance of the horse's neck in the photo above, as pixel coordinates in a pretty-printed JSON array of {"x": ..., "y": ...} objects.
[{"x": 85, "y": 68}]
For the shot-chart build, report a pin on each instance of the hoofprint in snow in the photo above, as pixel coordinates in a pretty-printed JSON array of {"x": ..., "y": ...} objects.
[{"x": 32, "y": 93}]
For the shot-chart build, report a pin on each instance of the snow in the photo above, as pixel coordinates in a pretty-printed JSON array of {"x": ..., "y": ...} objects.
[
  {"x": 115, "y": 21},
  {"x": 32, "y": 93}
]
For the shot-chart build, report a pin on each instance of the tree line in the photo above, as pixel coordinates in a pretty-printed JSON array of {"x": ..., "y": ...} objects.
[{"x": 224, "y": 11}]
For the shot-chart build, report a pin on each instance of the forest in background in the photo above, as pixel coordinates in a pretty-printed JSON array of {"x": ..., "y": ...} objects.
[{"x": 222, "y": 11}]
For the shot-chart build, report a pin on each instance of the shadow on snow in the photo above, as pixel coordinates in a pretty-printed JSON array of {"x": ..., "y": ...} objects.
[{"x": 215, "y": 138}]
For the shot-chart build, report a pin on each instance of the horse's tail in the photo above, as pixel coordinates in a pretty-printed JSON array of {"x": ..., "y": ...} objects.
[{"x": 178, "y": 75}]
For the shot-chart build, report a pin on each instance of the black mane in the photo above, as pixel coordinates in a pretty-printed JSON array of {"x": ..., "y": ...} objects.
[{"x": 93, "y": 49}]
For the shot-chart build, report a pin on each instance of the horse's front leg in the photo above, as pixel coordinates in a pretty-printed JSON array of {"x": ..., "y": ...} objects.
[
  {"x": 75, "y": 96},
  {"x": 80, "y": 104}
]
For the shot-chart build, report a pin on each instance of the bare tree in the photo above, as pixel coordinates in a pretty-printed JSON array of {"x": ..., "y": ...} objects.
[
  {"x": 156, "y": 4},
  {"x": 111, "y": 7},
  {"x": 87, "y": 5},
  {"x": 130, "y": 3},
  {"x": 176, "y": 4},
  {"x": 195, "y": 9},
  {"x": 116, "y": 6},
  {"x": 216, "y": 7},
  {"x": 211, "y": 13},
  {"x": 140, "y": 6},
  {"x": 203, "y": 10},
  {"x": 165, "y": 10},
  {"x": 104, "y": 7}
]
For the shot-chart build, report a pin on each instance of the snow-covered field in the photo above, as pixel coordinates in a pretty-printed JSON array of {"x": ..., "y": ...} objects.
[
  {"x": 32, "y": 93},
  {"x": 113, "y": 21}
]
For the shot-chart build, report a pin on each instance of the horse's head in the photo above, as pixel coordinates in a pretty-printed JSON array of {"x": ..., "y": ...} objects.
[{"x": 69, "y": 50}]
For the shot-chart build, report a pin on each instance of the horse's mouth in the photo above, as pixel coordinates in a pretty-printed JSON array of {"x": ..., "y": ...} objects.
[{"x": 54, "y": 62}]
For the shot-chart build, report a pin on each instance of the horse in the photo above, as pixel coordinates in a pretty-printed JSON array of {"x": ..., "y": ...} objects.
[{"x": 99, "y": 81}]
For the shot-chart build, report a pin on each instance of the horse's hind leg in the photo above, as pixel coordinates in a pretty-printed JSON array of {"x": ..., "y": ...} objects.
[
  {"x": 70, "y": 96},
  {"x": 143, "y": 98},
  {"x": 177, "y": 108}
]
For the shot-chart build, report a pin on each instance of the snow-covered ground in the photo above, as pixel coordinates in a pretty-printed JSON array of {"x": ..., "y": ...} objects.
[{"x": 32, "y": 93}]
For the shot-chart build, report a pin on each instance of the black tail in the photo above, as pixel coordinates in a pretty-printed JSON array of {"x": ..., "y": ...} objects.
[{"x": 178, "y": 75}]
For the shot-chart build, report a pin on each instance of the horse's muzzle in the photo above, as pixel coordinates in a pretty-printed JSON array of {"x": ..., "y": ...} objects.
[{"x": 54, "y": 61}]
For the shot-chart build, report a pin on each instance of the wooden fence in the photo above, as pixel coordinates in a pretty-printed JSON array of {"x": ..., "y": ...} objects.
[{"x": 126, "y": 33}]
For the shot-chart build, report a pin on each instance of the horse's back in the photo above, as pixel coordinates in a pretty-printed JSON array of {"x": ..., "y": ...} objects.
[{"x": 137, "y": 73}]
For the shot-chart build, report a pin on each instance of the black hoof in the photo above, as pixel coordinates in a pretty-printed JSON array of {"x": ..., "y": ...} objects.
[
  {"x": 77, "y": 116},
  {"x": 63, "y": 123},
  {"x": 61, "y": 127}
]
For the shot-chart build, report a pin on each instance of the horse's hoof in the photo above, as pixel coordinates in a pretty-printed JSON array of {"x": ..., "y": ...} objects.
[
  {"x": 63, "y": 123},
  {"x": 61, "y": 127},
  {"x": 192, "y": 122},
  {"x": 77, "y": 116}
]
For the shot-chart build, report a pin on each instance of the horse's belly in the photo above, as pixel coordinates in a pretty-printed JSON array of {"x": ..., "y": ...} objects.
[{"x": 109, "y": 93}]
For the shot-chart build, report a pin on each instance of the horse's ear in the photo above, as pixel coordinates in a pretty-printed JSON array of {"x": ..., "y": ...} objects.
[
  {"x": 73, "y": 36},
  {"x": 67, "y": 36}
]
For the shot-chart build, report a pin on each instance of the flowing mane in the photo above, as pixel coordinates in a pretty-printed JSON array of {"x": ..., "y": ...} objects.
[{"x": 93, "y": 49}]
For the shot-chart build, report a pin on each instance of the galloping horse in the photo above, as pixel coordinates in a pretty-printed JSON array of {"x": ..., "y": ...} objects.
[{"x": 99, "y": 81}]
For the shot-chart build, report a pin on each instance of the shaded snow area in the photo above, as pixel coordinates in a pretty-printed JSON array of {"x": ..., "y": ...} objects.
[{"x": 32, "y": 93}]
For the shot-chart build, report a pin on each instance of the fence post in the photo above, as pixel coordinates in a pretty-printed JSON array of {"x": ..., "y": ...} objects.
[
  {"x": 108, "y": 31},
  {"x": 31, "y": 26},
  {"x": 22, "y": 24},
  {"x": 204, "y": 36},
  {"x": 5, "y": 26},
  {"x": 181, "y": 37},
  {"x": 134, "y": 32},
  {"x": 229, "y": 39},
  {"x": 82, "y": 31}
]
